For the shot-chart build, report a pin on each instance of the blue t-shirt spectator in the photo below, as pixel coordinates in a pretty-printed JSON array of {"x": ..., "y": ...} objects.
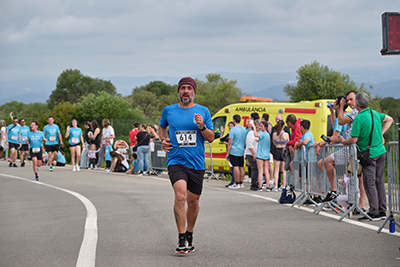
[
  {"x": 309, "y": 136},
  {"x": 136, "y": 164},
  {"x": 60, "y": 158},
  {"x": 264, "y": 145},
  {"x": 108, "y": 150},
  {"x": 238, "y": 135}
]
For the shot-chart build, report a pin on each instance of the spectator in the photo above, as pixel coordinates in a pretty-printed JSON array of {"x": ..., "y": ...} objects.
[
  {"x": 132, "y": 135},
  {"x": 3, "y": 131},
  {"x": 135, "y": 165},
  {"x": 45, "y": 155},
  {"x": 75, "y": 140},
  {"x": 108, "y": 154},
  {"x": 286, "y": 129},
  {"x": 235, "y": 151},
  {"x": 280, "y": 139},
  {"x": 306, "y": 140},
  {"x": 225, "y": 140},
  {"x": 60, "y": 161},
  {"x": 120, "y": 164},
  {"x": 92, "y": 156},
  {"x": 330, "y": 161},
  {"x": 263, "y": 155},
  {"x": 265, "y": 117},
  {"x": 84, "y": 157},
  {"x": 107, "y": 132},
  {"x": 156, "y": 161},
  {"x": 251, "y": 153},
  {"x": 366, "y": 121},
  {"x": 143, "y": 149},
  {"x": 295, "y": 136}
]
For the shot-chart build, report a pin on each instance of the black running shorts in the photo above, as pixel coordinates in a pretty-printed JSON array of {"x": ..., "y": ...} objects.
[
  {"x": 236, "y": 161},
  {"x": 194, "y": 178},
  {"x": 12, "y": 145},
  {"x": 38, "y": 155},
  {"x": 52, "y": 148},
  {"x": 24, "y": 148}
]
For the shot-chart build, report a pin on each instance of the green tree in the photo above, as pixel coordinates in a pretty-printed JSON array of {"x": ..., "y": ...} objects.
[
  {"x": 15, "y": 107},
  {"x": 72, "y": 85},
  {"x": 98, "y": 107},
  {"x": 316, "y": 81}
]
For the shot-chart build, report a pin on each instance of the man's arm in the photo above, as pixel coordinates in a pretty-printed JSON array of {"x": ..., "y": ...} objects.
[
  {"x": 387, "y": 122},
  {"x": 350, "y": 141},
  {"x": 166, "y": 145},
  {"x": 342, "y": 119},
  {"x": 228, "y": 149}
]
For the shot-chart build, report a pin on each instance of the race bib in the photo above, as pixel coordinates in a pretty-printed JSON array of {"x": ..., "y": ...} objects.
[
  {"x": 14, "y": 138},
  {"x": 186, "y": 138},
  {"x": 36, "y": 149},
  {"x": 75, "y": 140},
  {"x": 52, "y": 138}
]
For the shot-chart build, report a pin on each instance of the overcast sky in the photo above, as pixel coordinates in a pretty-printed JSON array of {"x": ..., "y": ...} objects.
[{"x": 178, "y": 37}]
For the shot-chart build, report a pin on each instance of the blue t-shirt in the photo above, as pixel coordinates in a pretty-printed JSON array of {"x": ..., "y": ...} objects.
[
  {"x": 35, "y": 139},
  {"x": 60, "y": 157},
  {"x": 309, "y": 136},
  {"x": 108, "y": 150},
  {"x": 238, "y": 135},
  {"x": 24, "y": 133},
  {"x": 264, "y": 145},
  {"x": 136, "y": 164},
  {"x": 13, "y": 133},
  {"x": 51, "y": 133},
  {"x": 185, "y": 135},
  {"x": 75, "y": 136},
  {"x": 340, "y": 128}
]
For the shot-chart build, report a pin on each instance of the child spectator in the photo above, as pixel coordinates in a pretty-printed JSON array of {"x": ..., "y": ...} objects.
[
  {"x": 60, "y": 160},
  {"x": 342, "y": 199},
  {"x": 107, "y": 154},
  {"x": 135, "y": 165},
  {"x": 92, "y": 156},
  {"x": 120, "y": 164},
  {"x": 45, "y": 156}
]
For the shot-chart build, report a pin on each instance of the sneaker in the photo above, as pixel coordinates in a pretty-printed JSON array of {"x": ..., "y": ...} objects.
[
  {"x": 326, "y": 207},
  {"x": 317, "y": 199},
  {"x": 189, "y": 240},
  {"x": 108, "y": 170},
  {"x": 271, "y": 182},
  {"x": 356, "y": 212},
  {"x": 308, "y": 202},
  {"x": 74, "y": 169},
  {"x": 51, "y": 168},
  {"x": 37, "y": 178},
  {"x": 280, "y": 188},
  {"x": 228, "y": 185},
  {"x": 330, "y": 197},
  {"x": 247, "y": 180},
  {"x": 77, "y": 168},
  {"x": 382, "y": 215},
  {"x": 234, "y": 186},
  {"x": 96, "y": 168},
  {"x": 241, "y": 185},
  {"x": 274, "y": 189},
  {"x": 373, "y": 217},
  {"x": 268, "y": 189},
  {"x": 254, "y": 188},
  {"x": 10, "y": 165},
  {"x": 181, "y": 247},
  {"x": 23, "y": 164},
  {"x": 260, "y": 189},
  {"x": 15, "y": 165}
]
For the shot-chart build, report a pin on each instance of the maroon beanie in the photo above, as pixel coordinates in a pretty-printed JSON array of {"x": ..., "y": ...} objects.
[{"x": 189, "y": 81}]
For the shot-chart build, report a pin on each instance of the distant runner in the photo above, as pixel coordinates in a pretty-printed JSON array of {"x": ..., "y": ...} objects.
[{"x": 35, "y": 141}]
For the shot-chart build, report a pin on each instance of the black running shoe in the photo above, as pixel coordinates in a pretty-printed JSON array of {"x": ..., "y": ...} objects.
[
  {"x": 330, "y": 197},
  {"x": 356, "y": 212},
  {"x": 10, "y": 165},
  {"x": 228, "y": 184},
  {"x": 190, "y": 244},
  {"x": 382, "y": 215},
  {"x": 181, "y": 248},
  {"x": 373, "y": 217},
  {"x": 308, "y": 202},
  {"x": 317, "y": 200},
  {"x": 15, "y": 165},
  {"x": 23, "y": 164}
]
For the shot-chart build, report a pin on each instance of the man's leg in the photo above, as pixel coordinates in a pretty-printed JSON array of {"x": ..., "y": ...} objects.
[
  {"x": 331, "y": 172},
  {"x": 369, "y": 173},
  {"x": 192, "y": 210},
  {"x": 242, "y": 172},
  {"x": 14, "y": 153},
  {"x": 236, "y": 173},
  {"x": 363, "y": 195},
  {"x": 380, "y": 183},
  {"x": 180, "y": 190}
]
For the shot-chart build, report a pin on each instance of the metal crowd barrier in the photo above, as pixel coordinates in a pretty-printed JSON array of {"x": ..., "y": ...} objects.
[
  {"x": 209, "y": 162},
  {"x": 299, "y": 166},
  {"x": 158, "y": 157},
  {"x": 393, "y": 182}
]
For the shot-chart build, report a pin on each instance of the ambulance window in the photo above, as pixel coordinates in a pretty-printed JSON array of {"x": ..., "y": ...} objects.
[
  {"x": 219, "y": 126},
  {"x": 329, "y": 130}
]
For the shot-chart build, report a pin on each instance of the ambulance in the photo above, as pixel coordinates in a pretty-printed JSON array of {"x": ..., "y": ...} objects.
[{"x": 316, "y": 112}]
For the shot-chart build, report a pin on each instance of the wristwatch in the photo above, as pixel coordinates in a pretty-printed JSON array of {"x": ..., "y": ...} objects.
[{"x": 204, "y": 128}]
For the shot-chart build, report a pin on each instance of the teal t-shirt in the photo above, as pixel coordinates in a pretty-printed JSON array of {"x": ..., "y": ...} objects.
[
  {"x": 136, "y": 164},
  {"x": 362, "y": 125},
  {"x": 238, "y": 135},
  {"x": 264, "y": 145},
  {"x": 60, "y": 157},
  {"x": 309, "y": 136}
]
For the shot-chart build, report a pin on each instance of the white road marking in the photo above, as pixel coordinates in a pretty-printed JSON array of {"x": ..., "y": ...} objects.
[
  {"x": 329, "y": 215},
  {"x": 87, "y": 252}
]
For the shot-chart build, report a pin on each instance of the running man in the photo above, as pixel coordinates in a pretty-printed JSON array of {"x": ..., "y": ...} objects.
[
  {"x": 35, "y": 141},
  {"x": 53, "y": 136},
  {"x": 23, "y": 135},
  {"x": 189, "y": 126},
  {"x": 12, "y": 138}
]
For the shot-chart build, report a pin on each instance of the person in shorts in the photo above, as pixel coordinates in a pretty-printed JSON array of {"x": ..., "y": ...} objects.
[
  {"x": 53, "y": 136},
  {"x": 13, "y": 143},
  {"x": 23, "y": 135},
  {"x": 35, "y": 141},
  {"x": 190, "y": 125}
]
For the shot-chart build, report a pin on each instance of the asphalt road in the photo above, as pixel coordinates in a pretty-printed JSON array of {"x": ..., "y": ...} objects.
[{"x": 95, "y": 218}]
